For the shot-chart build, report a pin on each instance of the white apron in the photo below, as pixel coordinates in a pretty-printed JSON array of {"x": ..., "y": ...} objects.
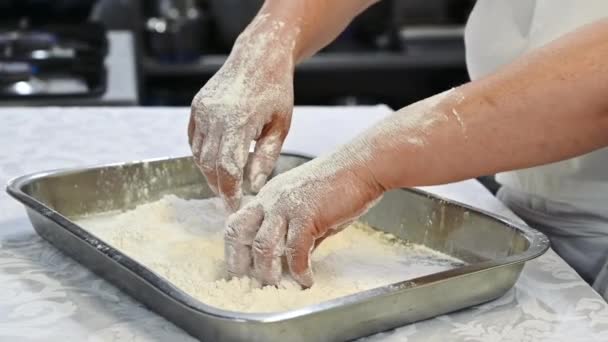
[{"x": 567, "y": 200}]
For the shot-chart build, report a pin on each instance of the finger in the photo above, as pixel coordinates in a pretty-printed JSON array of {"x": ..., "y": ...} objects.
[
  {"x": 231, "y": 161},
  {"x": 298, "y": 247},
  {"x": 268, "y": 247},
  {"x": 191, "y": 127},
  {"x": 267, "y": 151},
  {"x": 241, "y": 229},
  {"x": 208, "y": 158},
  {"x": 195, "y": 138},
  {"x": 196, "y": 145}
]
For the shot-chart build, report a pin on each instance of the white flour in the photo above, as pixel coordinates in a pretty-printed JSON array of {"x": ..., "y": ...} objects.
[{"x": 182, "y": 240}]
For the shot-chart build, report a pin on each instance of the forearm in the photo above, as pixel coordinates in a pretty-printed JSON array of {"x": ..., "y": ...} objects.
[
  {"x": 303, "y": 27},
  {"x": 550, "y": 105}
]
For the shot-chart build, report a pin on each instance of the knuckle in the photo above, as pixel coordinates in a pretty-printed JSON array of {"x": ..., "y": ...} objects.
[
  {"x": 263, "y": 247},
  {"x": 198, "y": 108},
  {"x": 240, "y": 120},
  {"x": 292, "y": 246},
  {"x": 207, "y": 163},
  {"x": 290, "y": 253},
  {"x": 295, "y": 242},
  {"x": 202, "y": 110},
  {"x": 231, "y": 233}
]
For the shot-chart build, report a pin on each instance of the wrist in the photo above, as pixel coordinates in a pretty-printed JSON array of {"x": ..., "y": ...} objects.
[
  {"x": 357, "y": 157},
  {"x": 269, "y": 40}
]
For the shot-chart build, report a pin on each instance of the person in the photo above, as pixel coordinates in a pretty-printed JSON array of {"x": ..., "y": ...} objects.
[{"x": 538, "y": 97}]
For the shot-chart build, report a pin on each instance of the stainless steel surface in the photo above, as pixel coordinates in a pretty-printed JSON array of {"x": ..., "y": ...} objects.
[
  {"x": 494, "y": 249},
  {"x": 425, "y": 39},
  {"x": 121, "y": 83}
]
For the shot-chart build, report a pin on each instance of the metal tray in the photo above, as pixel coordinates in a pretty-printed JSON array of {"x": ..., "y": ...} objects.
[{"x": 494, "y": 249}]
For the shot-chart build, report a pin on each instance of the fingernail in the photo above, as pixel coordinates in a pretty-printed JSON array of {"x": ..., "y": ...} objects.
[{"x": 258, "y": 182}]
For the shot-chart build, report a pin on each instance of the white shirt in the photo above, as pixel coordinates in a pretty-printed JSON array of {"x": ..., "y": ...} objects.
[{"x": 499, "y": 31}]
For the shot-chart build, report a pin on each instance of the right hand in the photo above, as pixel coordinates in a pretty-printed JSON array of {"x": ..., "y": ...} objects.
[
  {"x": 249, "y": 99},
  {"x": 295, "y": 212}
]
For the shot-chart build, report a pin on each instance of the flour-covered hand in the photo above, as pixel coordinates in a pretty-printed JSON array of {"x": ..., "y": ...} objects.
[
  {"x": 294, "y": 212},
  {"x": 249, "y": 99}
]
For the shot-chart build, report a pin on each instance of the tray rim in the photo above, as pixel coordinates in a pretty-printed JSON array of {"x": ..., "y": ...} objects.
[{"x": 538, "y": 245}]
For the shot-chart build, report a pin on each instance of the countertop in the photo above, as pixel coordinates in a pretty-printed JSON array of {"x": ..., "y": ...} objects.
[{"x": 45, "y": 296}]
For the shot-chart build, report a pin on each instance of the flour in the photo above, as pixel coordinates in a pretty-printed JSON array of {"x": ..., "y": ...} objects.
[
  {"x": 460, "y": 122},
  {"x": 409, "y": 125},
  {"x": 182, "y": 241}
]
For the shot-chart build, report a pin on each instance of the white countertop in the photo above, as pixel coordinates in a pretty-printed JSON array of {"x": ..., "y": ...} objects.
[{"x": 45, "y": 296}]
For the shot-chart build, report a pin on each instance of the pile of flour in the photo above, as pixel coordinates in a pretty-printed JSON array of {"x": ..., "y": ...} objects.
[{"x": 182, "y": 240}]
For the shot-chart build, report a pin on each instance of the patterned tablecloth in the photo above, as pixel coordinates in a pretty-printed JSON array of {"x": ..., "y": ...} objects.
[{"x": 45, "y": 296}]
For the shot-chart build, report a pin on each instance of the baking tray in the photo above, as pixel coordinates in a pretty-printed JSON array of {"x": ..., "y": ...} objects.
[{"x": 494, "y": 249}]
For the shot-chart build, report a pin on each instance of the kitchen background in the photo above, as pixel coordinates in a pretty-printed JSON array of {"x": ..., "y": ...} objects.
[{"x": 160, "y": 52}]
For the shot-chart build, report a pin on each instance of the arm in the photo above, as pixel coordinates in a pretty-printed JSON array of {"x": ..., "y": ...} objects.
[
  {"x": 251, "y": 97},
  {"x": 317, "y": 22},
  {"x": 549, "y": 105}
]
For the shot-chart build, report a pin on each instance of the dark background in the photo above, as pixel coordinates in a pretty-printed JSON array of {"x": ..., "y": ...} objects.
[{"x": 397, "y": 52}]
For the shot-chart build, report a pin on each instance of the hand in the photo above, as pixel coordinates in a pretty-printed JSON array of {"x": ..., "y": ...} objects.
[
  {"x": 249, "y": 99},
  {"x": 294, "y": 212}
]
